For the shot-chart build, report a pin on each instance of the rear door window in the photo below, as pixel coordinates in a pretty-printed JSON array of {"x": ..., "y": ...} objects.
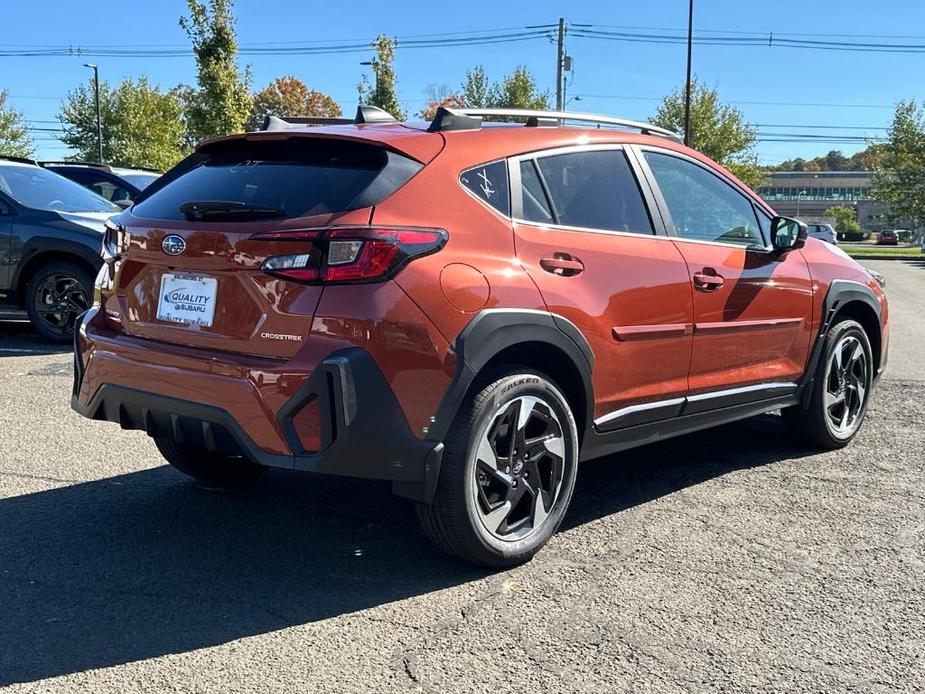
[
  {"x": 488, "y": 182},
  {"x": 594, "y": 190},
  {"x": 536, "y": 206},
  {"x": 297, "y": 177}
]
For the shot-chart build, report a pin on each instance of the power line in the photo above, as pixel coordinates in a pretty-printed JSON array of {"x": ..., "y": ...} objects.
[{"x": 741, "y": 102}]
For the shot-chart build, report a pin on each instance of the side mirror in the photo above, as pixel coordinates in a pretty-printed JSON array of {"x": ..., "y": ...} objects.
[{"x": 787, "y": 234}]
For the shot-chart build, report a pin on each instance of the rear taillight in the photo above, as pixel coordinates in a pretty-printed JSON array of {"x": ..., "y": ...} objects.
[{"x": 350, "y": 254}]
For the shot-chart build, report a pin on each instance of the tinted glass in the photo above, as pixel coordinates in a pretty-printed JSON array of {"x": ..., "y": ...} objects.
[
  {"x": 595, "y": 190},
  {"x": 535, "y": 204},
  {"x": 140, "y": 180},
  {"x": 489, "y": 183},
  {"x": 103, "y": 187},
  {"x": 41, "y": 189},
  {"x": 702, "y": 206},
  {"x": 299, "y": 178}
]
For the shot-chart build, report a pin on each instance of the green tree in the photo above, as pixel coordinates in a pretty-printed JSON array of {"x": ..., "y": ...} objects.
[
  {"x": 517, "y": 90},
  {"x": 383, "y": 94},
  {"x": 289, "y": 96},
  {"x": 717, "y": 130},
  {"x": 846, "y": 223},
  {"x": 142, "y": 126},
  {"x": 14, "y": 137},
  {"x": 222, "y": 102},
  {"x": 899, "y": 176},
  {"x": 476, "y": 90}
]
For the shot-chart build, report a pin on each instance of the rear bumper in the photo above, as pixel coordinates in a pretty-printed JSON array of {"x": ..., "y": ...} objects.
[{"x": 363, "y": 430}]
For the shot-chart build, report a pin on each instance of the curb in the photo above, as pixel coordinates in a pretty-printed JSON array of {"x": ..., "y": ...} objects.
[{"x": 888, "y": 257}]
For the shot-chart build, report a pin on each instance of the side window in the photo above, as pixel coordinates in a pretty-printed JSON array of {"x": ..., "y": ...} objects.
[
  {"x": 488, "y": 182},
  {"x": 536, "y": 206},
  {"x": 595, "y": 190},
  {"x": 764, "y": 222},
  {"x": 701, "y": 205}
]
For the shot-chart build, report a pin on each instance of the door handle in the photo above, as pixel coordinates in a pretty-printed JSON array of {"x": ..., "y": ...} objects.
[
  {"x": 562, "y": 264},
  {"x": 708, "y": 281}
]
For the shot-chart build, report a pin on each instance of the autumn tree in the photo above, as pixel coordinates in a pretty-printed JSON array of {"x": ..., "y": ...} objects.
[
  {"x": 289, "y": 96},
  {"x": 142, "y": 125},
  {"x": 14, "y": 137},
  {"x": 716, "y": 129},
  {"x": 440, "y": 95},
  {"x": 222, "y": 101},
  {"x": 383, "y": 93}
]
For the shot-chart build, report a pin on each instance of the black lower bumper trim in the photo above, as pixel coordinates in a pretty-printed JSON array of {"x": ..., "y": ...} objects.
[{"x": 365, "y": 433}]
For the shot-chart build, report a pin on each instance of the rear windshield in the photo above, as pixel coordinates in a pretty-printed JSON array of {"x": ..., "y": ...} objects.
[{"x": 299, "y": 177}]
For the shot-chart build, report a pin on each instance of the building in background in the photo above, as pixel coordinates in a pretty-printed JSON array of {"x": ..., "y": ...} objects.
[{"x": 808, "y": 194}]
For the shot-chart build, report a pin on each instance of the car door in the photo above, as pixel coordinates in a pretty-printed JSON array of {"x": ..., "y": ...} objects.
[
  {"x": 584, "y": 233},
  {"x": 6, "y": 247},
  {"x": 752, "y": 305}
]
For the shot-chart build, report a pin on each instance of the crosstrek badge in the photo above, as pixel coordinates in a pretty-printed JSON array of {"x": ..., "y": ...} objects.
[{"x": 187, "y": 299}]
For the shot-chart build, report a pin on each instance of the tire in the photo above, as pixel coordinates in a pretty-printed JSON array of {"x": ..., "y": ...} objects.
[
  {"x": 62, "y": 285},
  {"x": 209, "y": 468},
  {"x": 491, "y": 507},
  {"x": 840, "y": 390}
]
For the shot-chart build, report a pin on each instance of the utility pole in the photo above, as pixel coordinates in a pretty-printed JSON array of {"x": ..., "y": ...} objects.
[
  {"x": 560, "y": 60},
  {"x": 99, "y": 122},
  {"x": 687, "y": 90}
]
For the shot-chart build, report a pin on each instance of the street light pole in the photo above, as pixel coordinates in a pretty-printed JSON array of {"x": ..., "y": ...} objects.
[
  {"x": 99, "y": 122},
  {"x": 687, "y": 90}
]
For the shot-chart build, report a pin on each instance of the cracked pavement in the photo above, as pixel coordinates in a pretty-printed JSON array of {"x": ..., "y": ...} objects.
[{"x": 727, "y": 560}]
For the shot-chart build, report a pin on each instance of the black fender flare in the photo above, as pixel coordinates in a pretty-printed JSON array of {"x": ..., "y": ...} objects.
[
  {"x": 494, "y": 330},
  {"x": 840, "y": 292}
]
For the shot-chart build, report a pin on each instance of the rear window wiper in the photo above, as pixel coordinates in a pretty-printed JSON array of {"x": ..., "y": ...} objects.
[{"x": 197, "y": 210}]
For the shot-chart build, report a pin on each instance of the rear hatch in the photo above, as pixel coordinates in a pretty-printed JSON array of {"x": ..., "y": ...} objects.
[{"x": 191, "y": 268}]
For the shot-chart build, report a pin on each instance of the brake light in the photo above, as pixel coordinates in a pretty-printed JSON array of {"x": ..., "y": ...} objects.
[{"x": 350, "y": 254}]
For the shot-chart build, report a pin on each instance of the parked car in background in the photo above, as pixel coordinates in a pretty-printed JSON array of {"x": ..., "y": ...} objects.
[
  {"x": 823, "y": 232},
  {"x": 887, "y": 237},
  {"x": 466, "y": 311},
  {"x": 50, "y": 244},
  {"x": 117, "y": 184}
]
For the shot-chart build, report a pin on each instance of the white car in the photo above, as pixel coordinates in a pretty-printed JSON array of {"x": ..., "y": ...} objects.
[{"x": 823, "y": 232}]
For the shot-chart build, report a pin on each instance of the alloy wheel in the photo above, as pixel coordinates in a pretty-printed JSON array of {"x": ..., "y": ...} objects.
[
  {"x": 519, "y": 467},
  {"x": 847, "y": 383},
  {"x": 59, "y": 300}
]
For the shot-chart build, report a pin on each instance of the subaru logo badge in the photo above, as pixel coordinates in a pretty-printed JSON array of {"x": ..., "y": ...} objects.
[{"x": 173, "y": 244}]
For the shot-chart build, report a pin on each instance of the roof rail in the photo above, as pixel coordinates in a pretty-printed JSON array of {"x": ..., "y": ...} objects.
[
  {"x": 365, "y": 115},
  {"x": 539, "y": 118}
]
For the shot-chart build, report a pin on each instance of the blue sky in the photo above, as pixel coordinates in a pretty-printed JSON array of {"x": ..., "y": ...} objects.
[{"x": 848, "y": 89}]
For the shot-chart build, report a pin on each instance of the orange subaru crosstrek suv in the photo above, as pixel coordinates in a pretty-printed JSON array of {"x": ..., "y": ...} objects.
[{"x": 467, "y": 309}]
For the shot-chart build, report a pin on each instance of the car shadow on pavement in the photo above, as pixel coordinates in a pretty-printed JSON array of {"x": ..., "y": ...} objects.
[
  {"x": 18, "y": 339},
  {"x": 146, "y": 564}
]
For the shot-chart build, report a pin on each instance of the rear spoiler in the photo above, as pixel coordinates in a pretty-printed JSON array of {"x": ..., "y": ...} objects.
[{"x": 366, "y": 115}]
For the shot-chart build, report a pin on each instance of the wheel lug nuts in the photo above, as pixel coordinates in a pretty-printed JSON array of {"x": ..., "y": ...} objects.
[
  {"x": 513, "y": 483},
  {"x": 507, "y": 470}
]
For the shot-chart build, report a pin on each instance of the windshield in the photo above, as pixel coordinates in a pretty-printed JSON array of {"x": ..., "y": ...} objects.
[
  {"x": 41, "y": 189},
  {"x": 140, "y": 180}
]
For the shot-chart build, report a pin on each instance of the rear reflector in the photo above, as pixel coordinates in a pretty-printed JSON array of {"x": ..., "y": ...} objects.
[
  {"x": 350, "y": 254},
  {"x": 307, "y": 425}
]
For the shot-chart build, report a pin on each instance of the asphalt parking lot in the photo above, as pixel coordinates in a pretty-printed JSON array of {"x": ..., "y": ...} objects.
[{"x": 729, "y": 560}]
